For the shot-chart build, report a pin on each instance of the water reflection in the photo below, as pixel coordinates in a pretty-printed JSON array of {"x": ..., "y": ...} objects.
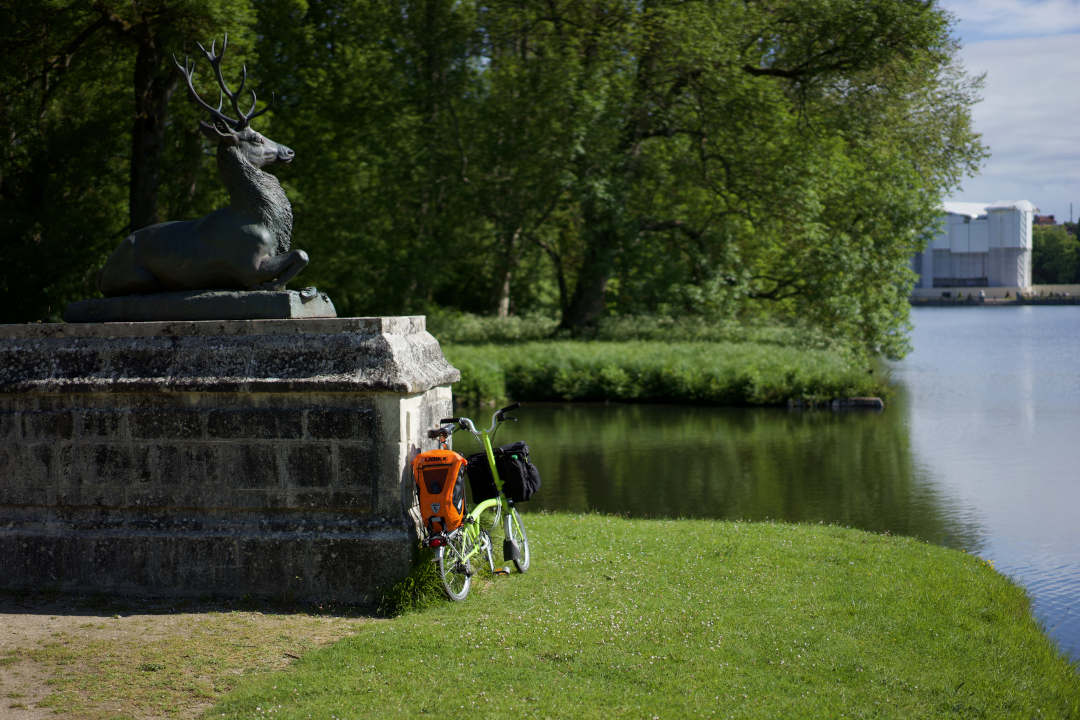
[
  {"x": 994, "y": 408},
  {"x": 853, "y": 469}
]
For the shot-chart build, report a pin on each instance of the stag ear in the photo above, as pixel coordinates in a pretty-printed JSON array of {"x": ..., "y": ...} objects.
[{"x": 218, "y": 132}]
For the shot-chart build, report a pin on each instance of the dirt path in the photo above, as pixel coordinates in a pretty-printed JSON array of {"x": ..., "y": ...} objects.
[
  {"x": 77, "y": 658},
  {"x": 22, "y": 629}
]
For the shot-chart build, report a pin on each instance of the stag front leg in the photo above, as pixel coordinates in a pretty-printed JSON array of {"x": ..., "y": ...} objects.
[{"x": 277, "y": 270}]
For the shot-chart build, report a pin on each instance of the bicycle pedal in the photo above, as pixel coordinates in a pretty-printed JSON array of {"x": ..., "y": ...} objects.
[{"x": 502, "y": 571}]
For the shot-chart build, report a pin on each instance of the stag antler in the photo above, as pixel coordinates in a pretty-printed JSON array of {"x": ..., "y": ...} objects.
[{"x": 188, "y": 69}]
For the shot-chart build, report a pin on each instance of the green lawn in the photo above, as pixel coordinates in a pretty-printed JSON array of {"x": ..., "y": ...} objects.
[{"x": 680, "y": 619}]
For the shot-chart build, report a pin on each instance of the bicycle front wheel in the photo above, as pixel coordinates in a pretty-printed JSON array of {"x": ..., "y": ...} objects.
[
  {"x": 455, "y": 574},
  {"x": 516, "y": 533}
]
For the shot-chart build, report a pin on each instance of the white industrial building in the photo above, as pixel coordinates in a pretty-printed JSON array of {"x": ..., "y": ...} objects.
[{"x": 979, "y": 245}]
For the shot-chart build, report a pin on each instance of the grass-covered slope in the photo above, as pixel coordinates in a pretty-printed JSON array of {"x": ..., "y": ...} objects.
[{"x": 677, "y": 619}]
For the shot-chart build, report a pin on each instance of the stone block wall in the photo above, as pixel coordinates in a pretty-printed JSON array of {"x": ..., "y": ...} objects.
[{"x": 265, "y": 460}]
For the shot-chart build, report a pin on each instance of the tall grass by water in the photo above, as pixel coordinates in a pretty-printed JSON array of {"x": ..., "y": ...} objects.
[
  {"x": 685, "y": 618},
  {"x": 716, "y": 373},
  {"x": 649, "y": 359},
  {"x": 451, "y": 326}
]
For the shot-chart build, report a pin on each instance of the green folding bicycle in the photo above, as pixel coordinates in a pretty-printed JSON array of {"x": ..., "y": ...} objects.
[{"x": 455, "y": 549}]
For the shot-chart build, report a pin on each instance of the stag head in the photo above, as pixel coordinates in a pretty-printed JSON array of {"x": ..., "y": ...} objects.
[{"x": 256, "y": 148}]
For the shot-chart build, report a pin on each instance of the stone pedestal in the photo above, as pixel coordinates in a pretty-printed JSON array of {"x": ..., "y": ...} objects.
[{"x": 260, "y": 458}]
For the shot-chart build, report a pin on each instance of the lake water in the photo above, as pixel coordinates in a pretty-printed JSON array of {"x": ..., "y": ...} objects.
[{"x": 979, "y": 450}]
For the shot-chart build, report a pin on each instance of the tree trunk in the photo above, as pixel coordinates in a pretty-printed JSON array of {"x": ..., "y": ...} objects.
[
  {"x": 502, "y": 307},
  {"x": 510, "y": 261},
  {"x": 560, "y": 273},
  {"x": 153, "y": 88},
  {"x": 587, "y": 303}
]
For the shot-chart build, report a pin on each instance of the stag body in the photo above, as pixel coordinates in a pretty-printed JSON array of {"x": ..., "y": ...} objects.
[{"x": 242, "y": 246}]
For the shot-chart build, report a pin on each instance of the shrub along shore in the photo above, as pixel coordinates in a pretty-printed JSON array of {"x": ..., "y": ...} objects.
[
  {"x": 651, "y": 360},
  {"x": 694, "y": 618}
]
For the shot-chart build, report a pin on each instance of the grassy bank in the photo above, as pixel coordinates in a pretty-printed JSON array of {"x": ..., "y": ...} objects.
[
  {"x": 706, "y": 372},
  {"x": 469, "y": 329},
  {"x": 678, "y": 619},
  {"x": 649, "y": 359}
]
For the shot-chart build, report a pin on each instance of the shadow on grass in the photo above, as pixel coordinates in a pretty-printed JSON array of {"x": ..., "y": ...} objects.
[{"x": 52, "y": 602}]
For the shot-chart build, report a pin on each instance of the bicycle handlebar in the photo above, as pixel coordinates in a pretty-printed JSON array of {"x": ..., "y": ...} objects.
[
  {"x": 499, "y": 415},
  {"x": 467, "y": 424}
]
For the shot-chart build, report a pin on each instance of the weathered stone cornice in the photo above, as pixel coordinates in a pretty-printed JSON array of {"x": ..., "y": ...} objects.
[{"x": 393, "y": 354}]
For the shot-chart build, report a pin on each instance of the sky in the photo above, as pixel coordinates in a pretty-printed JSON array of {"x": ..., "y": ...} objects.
[{"x": 1030, "y": 112}]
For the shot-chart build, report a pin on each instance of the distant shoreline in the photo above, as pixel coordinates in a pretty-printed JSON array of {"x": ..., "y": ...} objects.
[
  {"x": 1034, "y": 295},
  {"x": 974, "y": 301}
]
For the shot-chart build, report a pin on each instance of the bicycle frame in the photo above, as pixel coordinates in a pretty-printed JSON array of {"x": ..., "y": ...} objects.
[{"x": 469, "y": 537}]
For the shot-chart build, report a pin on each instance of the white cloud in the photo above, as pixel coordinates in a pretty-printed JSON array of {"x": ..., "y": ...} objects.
[
  {"x": 982, "y": 19},
  {"x": 1030, "y": 53}
]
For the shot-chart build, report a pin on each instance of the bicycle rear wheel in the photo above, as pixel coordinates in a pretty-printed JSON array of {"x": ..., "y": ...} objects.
[
  {"x": 455, "y": 574},
  {"x": 516, "y": 533}
]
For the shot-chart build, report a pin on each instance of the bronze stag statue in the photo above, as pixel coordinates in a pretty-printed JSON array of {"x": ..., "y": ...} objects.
[{"x": 243, "y": 246}]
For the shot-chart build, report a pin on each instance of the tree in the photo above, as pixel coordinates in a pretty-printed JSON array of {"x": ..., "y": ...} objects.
[
  {"x": 770, "y": 158},
  {"x": 895, "y": 130},
  {"x": 1055, "y": 256},
  {"x": 59, "y": 205},
  {"x": 154, "y": 30},
  {"x": 89, "y": 93},
  {"x": 516, "y": 140},
  {"x": 788, "y": 150},
  {"x": 371, "y": 95}
]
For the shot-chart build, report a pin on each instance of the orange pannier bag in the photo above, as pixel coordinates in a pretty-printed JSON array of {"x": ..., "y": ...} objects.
[{"x": 440, "y": 485}]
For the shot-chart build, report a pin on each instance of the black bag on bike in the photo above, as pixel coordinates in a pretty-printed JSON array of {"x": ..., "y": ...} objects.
[{"x": 520, "y": 478}]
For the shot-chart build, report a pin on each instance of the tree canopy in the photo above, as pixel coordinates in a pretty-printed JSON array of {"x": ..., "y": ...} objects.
[
  {"x": 778, "y": 158},
  {"x": 1055, "y": 256}
]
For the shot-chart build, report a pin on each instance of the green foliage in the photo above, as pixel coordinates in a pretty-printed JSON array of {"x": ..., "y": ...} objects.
[
  {"x": 578, "y": 160},
  {"x": 682, "y": 618},
  {"x": 67, "y": 169},
  {"x": 61, "y": 197},
  {"x": 1055, "y": 256},
  {"x": 662, "y": 328},
  {"x": 715, "y": 373},
  {"x": 452, "y": 326},
  {"x": 461, "y": 328}
]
